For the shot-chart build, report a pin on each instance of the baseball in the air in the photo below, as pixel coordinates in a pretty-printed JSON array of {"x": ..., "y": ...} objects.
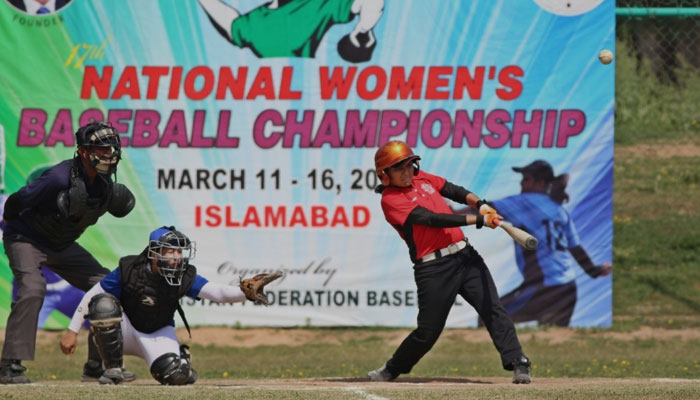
[{"x": 605, "y": 56}]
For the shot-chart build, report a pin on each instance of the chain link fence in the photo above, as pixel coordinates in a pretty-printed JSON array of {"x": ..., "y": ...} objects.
[
  {"x": 657, "y": 84},
  {"x": 663, "y": 33}
]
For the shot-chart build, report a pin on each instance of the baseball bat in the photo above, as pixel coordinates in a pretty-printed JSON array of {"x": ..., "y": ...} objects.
[{"x": 523, "y": 238}]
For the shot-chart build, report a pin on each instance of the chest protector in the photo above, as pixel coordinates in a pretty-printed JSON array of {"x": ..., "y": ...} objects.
[
  {"x": 147, "y": 299},
  {"x": 77, "y": 211}
]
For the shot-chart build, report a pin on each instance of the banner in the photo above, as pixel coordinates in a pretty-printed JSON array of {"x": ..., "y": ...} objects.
[{"x": 252, "y": 125}]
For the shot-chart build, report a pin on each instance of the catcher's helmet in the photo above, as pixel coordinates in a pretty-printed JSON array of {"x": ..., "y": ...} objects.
[
  {"x": 171, "y": 264},
  {"x": 99, "y": 134},
  {"x": 390, "y": 154}
]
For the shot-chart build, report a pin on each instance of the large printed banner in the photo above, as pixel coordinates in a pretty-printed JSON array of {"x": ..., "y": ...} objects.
[{"x": 252, "y": 125}]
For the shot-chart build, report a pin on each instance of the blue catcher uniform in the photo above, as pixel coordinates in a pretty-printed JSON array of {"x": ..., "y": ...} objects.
[{"x": 131, "y": 311}]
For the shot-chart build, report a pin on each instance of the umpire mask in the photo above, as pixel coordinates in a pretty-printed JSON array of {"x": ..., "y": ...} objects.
[
  {"x": 104, "y": 149},
  {"x": 172, "y": 251}
]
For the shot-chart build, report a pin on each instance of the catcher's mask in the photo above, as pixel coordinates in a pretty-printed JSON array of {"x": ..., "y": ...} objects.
[
  {"x": 100, "y": 135},
  {"x": 172, "y": 251},
  {"x": 393, "y": 153}
]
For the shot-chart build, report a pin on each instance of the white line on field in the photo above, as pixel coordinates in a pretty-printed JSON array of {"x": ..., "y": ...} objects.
[
  {"x": 670, "y": 380},
  {"x": 364, "y": 394}
]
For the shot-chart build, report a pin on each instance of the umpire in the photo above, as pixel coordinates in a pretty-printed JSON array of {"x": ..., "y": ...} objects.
[
  {"x": 44, "y": 220},
  {"x": 445, "y": 264}
]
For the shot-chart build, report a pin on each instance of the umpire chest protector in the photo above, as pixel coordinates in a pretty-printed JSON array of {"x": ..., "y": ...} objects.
[
  {"x": 148, "y": 300},
  {"x": 77, "y": 211}
]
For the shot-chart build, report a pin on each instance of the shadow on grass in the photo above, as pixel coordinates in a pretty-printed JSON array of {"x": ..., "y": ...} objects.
[
  {"x": 661, "y": 288},
  {"x": 413, "y": 380}
]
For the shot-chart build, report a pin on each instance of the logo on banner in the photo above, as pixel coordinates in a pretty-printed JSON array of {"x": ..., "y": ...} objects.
[
  {"x": 39, "y": 8},
  {"x": 295, "y": 28},
  {"x": 568, "y": 8}
]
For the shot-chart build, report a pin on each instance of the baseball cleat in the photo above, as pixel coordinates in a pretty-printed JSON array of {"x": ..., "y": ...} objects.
[
  {"x": 12, "y": 372},
  {"x": 382, "y": 374},
  {"x": 111, "y": 376},
  {"x": 92, "y": 372},
  {"x": 521, "y": 371}
]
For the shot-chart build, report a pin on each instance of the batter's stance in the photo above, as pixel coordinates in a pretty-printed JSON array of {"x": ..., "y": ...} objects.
[
  {"x": 445, "y": 265},
  {"x": 44, "y": 220}
]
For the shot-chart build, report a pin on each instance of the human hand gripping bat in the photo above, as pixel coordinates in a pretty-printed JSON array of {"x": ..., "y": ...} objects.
[{"x": 253, "y": 287}]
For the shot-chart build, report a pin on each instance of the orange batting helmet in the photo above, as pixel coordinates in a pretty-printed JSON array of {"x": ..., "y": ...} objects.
[{"x": 390, "y": 154}]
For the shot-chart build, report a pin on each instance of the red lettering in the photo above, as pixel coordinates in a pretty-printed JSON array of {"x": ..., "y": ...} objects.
[
  {"x": 92, "y": 80},
  {"x": 339, "y": 217},
  {"x": 263, "y": 85},
  {"x": 337, "y": 81},
  {"x": 405, "y": 87},
  {"x": 175, "y": 77},
  {"x": 235, "y": 85},
  {"x": 319, "y": 216},
  {"x": 298, "y": 217},
  {"x": 230, "y": 223},
  {"x": 286, "y": 92},
  {"x": 362, "y": 83},
  {"x": 251, "y": 217},
  {"x": 437, "y": 81},
  {"x": 190, "y": 79},
  {"x": 128, "y": 85},
  {"x": 214, "y": 217},
  {"x": 464, "y": 80},
  {"x": 272, "y": 219},
  {"x": 513, "y": 86},
  {"x": 154, "y": 74},
  {"x": 360, "y": 216}
]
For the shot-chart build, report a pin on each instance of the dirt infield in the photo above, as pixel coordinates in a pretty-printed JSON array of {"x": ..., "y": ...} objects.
[
  {"x": 430, "y": 388},
  {"x": 413, "y": 382},
  {"x": 252, "y": 337}
]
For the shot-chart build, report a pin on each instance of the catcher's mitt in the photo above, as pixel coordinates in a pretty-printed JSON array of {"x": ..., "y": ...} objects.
[{"x": 253, "y": 287}]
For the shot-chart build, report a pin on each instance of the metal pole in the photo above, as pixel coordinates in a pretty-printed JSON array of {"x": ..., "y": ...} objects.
[{"x": 657, "y": 12}]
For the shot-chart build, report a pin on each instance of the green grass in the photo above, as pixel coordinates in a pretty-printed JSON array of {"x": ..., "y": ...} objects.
[
  {"x": 656, "y": 245},
  {"x": 583, "y": 355},
  {"x": 454, "y": 369},
  {"x": 647, "y": 110}
]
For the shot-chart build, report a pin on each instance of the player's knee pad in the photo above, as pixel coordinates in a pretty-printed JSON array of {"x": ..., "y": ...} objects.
[
  {"x": 170, "y": 369},
  {"x": 105, "y": 316}
]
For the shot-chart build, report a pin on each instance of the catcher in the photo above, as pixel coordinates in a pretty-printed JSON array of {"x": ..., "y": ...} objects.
[{"x": 131, "y": 310}]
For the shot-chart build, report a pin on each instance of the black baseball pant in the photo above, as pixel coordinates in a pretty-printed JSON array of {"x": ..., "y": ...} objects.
[{"x": 439, "y": 282}]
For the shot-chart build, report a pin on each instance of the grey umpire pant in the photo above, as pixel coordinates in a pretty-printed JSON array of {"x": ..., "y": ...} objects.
[{"x": 74, "y": 264}]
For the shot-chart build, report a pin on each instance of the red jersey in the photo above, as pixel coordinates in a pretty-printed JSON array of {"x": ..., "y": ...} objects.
[{"x": 397, "y": 204}]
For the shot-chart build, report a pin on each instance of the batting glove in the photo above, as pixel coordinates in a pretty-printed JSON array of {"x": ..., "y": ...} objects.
[
  {"x": 489, "y": 220},
  {"x": 484, "y": 208}
]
